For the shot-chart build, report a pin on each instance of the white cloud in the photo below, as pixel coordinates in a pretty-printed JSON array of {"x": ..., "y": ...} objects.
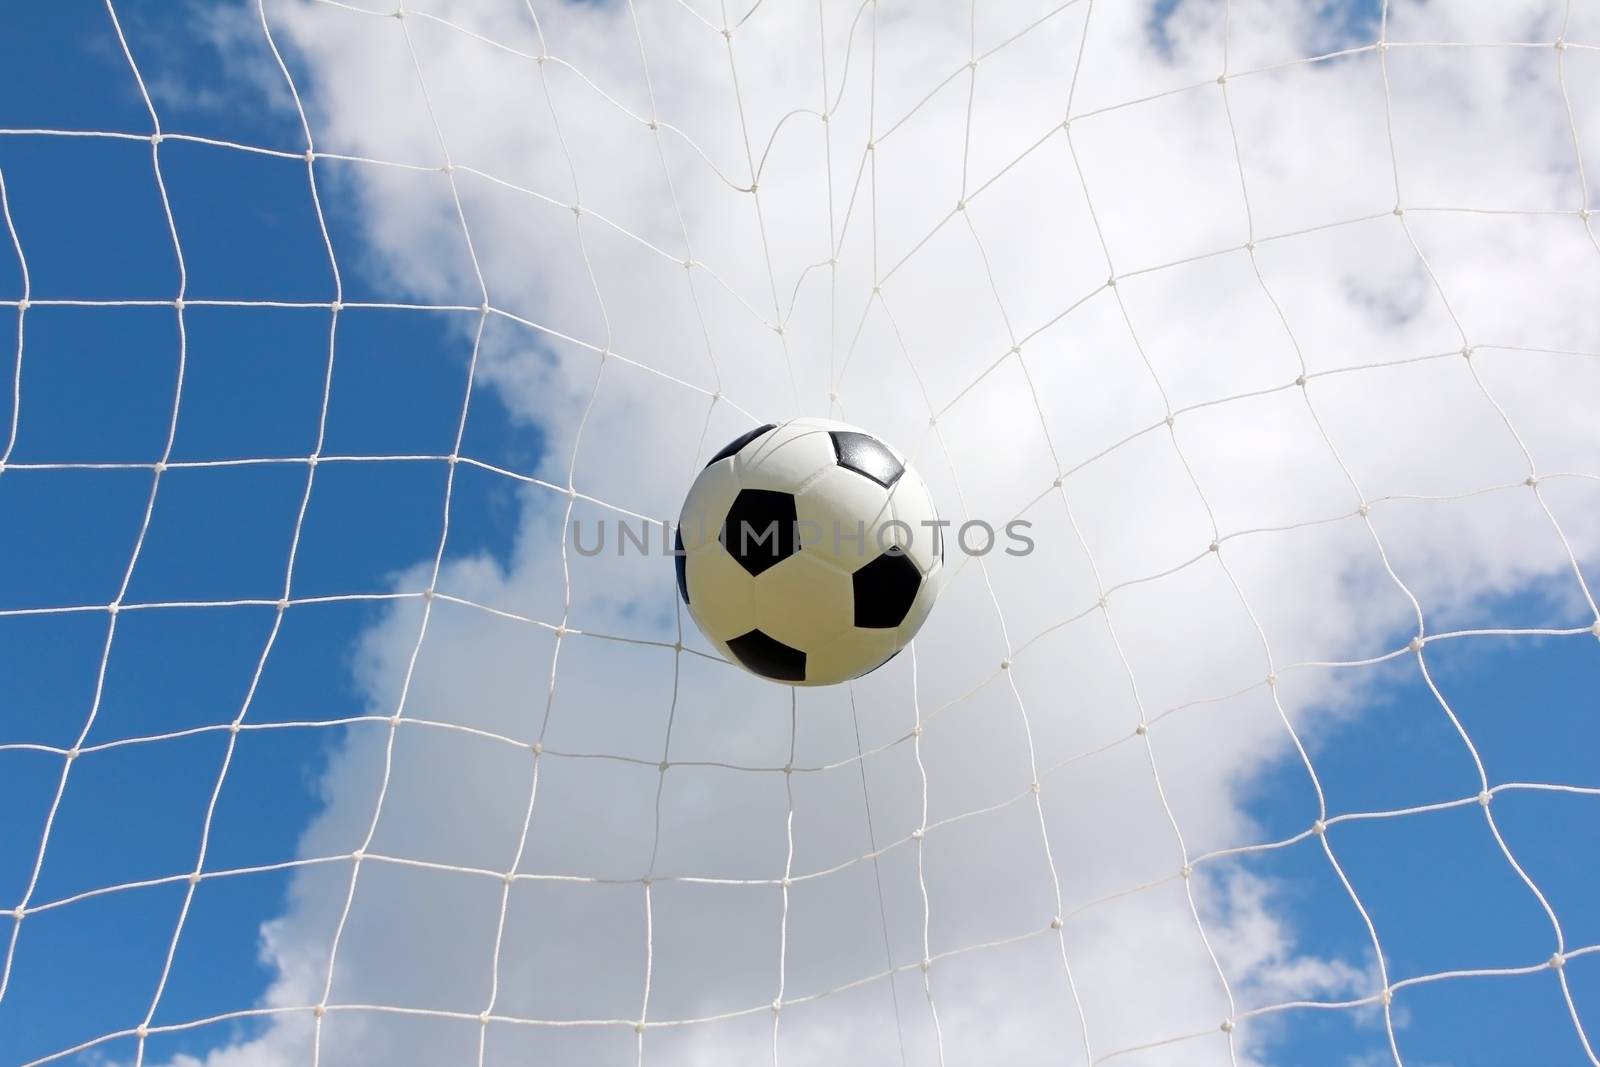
[{"x": 1472, "y": 128}]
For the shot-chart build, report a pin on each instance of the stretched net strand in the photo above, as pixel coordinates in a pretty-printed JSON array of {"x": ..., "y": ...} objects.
[
  {"x": 917, "y": 836},
  {"x": 458, "y": 1016},
  {"x": 877, "y": 873},
  {"x": 1484, "y": 795},
  {"x": 1533, "y": 483},
  {"x": 761, "y": 220},
  {"x": 22, "y": 314},
  {"x": 1056, "y": 920},
  {"x": 961, "y": 207},
  {"x": 835, "y": 236},
  {"x": 878, "y": 852},
  {"x": 1319, "y": 826},
  {"x": 194, "y": 878},
  {"x": 787, "y": 883},
  {"x": 437, "y": 566},
  {"x": 951, "y": 704},
  {"x": 144, "y": 526}
]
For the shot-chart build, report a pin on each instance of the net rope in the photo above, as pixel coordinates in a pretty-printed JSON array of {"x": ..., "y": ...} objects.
[{"x": 1017, "y": 646}]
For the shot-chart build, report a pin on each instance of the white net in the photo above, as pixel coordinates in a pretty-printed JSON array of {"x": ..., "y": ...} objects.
[{"x": 318, "y": 744}]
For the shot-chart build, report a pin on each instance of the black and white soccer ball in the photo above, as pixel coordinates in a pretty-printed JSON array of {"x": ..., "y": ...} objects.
[{"x": 809, "y": 552}]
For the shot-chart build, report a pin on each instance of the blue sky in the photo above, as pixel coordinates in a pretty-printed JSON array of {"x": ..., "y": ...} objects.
[{"x": 97, "y": 386}]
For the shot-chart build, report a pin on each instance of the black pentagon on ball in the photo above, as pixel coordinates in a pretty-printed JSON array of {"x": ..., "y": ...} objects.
[
  {"x": 769, "y": 657},
  {"x": 739, "y": 442},
  {"x": 681, "y": 559},
  {"x": 867, "y": 456},
  {"x": 759, "y": 531},
  {"x": 884, "y": 590}
]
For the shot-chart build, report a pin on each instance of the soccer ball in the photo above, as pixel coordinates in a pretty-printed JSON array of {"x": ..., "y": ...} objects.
[{"x": 808, "y": 552}]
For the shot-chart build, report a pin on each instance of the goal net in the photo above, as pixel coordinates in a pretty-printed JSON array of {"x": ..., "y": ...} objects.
[{"x": 333, "y": 323}]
